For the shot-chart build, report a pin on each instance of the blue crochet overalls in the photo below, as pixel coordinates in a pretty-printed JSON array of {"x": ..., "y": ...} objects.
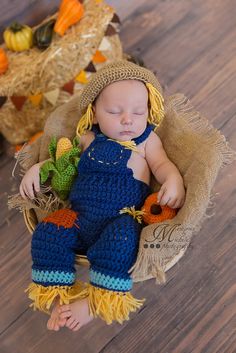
[{"x": 103, "y": 187}]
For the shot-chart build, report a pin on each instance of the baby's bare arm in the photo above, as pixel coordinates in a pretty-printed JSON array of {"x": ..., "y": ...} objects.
[{"x": 172, "y": 192}]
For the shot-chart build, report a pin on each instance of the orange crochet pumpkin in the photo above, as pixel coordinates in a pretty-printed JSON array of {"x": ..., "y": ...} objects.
[{"x": 155, "y": 213}]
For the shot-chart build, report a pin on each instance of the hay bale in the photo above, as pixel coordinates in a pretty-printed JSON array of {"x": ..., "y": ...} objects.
[{"x": 46, "y": 72}]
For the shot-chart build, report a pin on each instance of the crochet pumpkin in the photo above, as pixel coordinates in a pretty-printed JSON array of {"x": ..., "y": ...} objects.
[
  {"x": 155, "y": 213},
  {"x": 62, "y": 168}
]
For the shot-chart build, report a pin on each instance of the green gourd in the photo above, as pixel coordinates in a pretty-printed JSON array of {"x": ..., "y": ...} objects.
[{"x": 43, "y": 35}]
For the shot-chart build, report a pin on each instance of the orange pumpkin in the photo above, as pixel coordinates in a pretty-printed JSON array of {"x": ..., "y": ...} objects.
[
  {"x": 3, "y": 61},
  {"x": 155, "y": 213},
  {"x": 70, "y": 12}
]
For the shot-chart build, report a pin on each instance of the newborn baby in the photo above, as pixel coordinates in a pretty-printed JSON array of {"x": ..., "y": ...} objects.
[{"x": 120, "y": 151}]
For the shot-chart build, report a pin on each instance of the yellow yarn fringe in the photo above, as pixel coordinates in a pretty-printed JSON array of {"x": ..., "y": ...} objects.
[
  {"x": 138, "y": 215},
  {"x": 156, "y": 100},
  {"x": 129, "y": 145},
  {"x": 43, "y": 297},
  {"x": 109, "y": 305},
  {"x": 86, "y": 122}
]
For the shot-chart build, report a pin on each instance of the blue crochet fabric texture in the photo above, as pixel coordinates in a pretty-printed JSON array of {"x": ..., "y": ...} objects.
[
  {"x": 53, "y": 254},
  {"x": 110, "y": 240}
]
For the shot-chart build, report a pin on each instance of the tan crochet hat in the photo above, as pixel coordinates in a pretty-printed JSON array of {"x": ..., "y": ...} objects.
[{"x": 116, "y": 71}]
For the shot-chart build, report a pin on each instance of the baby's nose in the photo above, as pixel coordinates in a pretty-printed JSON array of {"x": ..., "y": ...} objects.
[{"x": 126, "y": 118}]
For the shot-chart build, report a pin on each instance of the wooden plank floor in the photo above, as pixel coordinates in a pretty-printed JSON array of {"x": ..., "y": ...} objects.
[{"x": 191, "y": 46}]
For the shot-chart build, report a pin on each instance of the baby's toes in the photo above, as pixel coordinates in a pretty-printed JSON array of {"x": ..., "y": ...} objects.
[
  {"x": 74, "y": 324},
  {"x": 77, "y": 326},
  {"x": 65, "y": 315},
  {"x": 49, "y": 324},
  {"x": 62, "y": 322},
  {"x": 63, "y": 308},
  {"x": 71, "y": 322},
  {"x": 56, "y": 326}
]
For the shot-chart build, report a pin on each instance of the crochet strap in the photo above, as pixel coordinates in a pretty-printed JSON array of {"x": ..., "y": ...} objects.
[
  {"x": 144, "y": 135},
  {"x": 96, "y": 129}
]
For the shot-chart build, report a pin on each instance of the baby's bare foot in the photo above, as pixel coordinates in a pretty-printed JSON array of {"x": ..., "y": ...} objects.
[
  {"x": 76, "y": 314},
  {"x": 55, "y": 322}
]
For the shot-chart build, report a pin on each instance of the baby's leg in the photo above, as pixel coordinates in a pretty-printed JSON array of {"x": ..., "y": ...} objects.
[
  {"x": 54, "y": 242},
  {"x": 111, "y": 257}
]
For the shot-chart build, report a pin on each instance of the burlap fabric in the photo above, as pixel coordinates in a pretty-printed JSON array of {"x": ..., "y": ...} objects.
[
  {"x": 36, "y": 72},
  {"x": 196, "y": 148}
]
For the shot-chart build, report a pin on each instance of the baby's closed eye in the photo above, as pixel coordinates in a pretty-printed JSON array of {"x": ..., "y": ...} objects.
[
  {"x": 113, "y": 112},
  {"x": 139, "y": 113}
]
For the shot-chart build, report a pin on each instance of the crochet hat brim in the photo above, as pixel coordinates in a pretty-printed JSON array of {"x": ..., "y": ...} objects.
[{"x": 116, "y": 71}]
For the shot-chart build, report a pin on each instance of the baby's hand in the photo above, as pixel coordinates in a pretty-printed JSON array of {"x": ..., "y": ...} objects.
[
  {"x": 30, "y": 182},
  {"x": 172, "y": 193}
]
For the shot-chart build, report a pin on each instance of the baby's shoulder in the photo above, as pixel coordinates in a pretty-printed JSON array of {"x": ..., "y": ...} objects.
[
  {"x": 152, "y": 143},
  {"x": 87, "y": 139},
  {"x": 153, "y": 138}
]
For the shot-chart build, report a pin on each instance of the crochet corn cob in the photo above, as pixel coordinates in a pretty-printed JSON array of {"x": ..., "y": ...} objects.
[{"x": 63, "y": 145}]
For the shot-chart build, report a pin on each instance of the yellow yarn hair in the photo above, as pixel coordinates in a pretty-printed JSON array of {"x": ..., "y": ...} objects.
[
  {"x": 86, "y": 122},
  {"x": 156, "y": 101}
]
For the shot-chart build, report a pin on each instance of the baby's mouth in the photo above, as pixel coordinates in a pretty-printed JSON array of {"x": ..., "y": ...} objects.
[{"x": 126, "y": 133}]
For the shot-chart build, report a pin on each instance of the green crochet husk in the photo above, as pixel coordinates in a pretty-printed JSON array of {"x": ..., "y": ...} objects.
[{"x": 62, "y": 171}]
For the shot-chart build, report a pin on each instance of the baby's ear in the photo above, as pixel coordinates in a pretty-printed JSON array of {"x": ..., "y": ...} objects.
[{"x": 94, "y": 114}]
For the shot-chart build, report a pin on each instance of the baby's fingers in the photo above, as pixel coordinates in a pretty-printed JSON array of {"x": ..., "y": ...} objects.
[
  {"x": 179, "y": 203},
  {"x": 160, "y": 195},
  {"x": 22, "y": 192},
  {"x": 29, "y": 191},
  {"x": 36, "y": 185},
  {"x": 172, "y": 203}
]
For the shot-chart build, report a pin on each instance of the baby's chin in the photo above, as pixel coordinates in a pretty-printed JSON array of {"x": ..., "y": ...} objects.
[
  {"x": 126, "y": 136},
  {"x": 123, "y": 136}
]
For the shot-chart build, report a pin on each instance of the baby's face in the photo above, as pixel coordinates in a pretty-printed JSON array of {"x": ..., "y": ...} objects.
[{"x": 121, "y": 110}]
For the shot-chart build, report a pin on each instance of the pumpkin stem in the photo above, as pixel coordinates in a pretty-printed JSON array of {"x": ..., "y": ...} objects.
[{"x": 16, "y": 27}]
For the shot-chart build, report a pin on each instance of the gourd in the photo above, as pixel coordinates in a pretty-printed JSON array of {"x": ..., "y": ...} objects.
[
  {"x": 18, "y": 37},
  {"x": 70, "y": 12},
  {"x": 43, "y": 35},
  {"x": 3, "y": 61}
]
